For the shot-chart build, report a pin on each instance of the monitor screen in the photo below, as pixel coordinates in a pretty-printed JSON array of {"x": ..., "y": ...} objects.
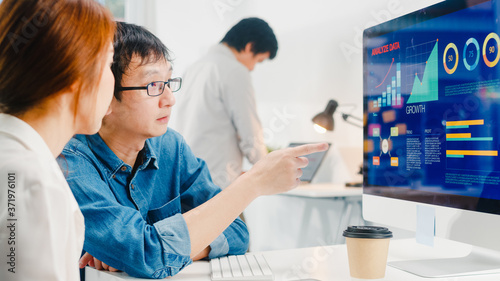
[{"x": 432, "y": 107}]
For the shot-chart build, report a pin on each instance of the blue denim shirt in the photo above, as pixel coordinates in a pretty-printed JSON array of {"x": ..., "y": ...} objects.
[{"x": 133, "y": 220}]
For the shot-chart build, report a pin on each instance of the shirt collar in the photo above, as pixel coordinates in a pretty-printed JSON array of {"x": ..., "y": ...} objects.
[
  {"x": 109, "y": 158},
  {"x": 149, "y": 156},
  {"x": 223, "y": 50},
  {"x": 25, "y": 134}
]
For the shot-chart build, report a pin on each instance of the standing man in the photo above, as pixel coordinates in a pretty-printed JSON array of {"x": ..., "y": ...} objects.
[{"x": 216, "y": 112}]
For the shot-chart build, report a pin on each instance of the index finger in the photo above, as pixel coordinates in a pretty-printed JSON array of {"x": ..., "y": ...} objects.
[{"x": 308, "y": 149}]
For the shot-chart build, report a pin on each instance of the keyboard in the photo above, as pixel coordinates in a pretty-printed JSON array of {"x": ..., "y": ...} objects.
[{"x": 242, "y": 267}]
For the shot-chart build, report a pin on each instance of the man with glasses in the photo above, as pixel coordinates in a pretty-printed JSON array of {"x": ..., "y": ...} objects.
[
  {"x": 149, "y": 204},
  {"x": 134, "y": 179},
  {"x": 216, "y": 112}
]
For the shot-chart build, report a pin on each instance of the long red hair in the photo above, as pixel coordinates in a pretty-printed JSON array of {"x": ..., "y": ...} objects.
[{"x": 46, "y": 46}]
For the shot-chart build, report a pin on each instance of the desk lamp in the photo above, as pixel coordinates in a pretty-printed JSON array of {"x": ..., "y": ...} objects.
[{"x": 323, "y": 122}]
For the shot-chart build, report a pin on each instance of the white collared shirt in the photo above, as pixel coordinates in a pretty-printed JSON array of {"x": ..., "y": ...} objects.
[
  {"x": 41, "y": 226},
  {"x": 217, "y": 115}
]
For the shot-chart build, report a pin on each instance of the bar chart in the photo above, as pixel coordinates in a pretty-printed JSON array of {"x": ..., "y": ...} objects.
[
  {"x": 391, "y": 94},
  {"x": 466, "y": 137}
]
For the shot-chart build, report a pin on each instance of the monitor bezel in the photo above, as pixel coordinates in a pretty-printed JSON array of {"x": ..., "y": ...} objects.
[{"x": 440, "y": 199}]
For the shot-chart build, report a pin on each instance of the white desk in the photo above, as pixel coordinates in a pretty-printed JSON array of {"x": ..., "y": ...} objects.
[
  {"x": 304, "y": 217},
  {"x": 325, "y": 190},
  {"x": 350, "y": 197},
  {"x": 325, "y": 263}
]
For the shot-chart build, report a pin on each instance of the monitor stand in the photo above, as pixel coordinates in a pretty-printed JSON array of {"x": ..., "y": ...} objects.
[{"x": 479, "y": 261}]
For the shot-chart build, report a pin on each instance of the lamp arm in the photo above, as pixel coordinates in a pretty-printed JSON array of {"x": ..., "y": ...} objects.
[
  {"x": 345, "y": 116},
  {"x": 354, "y": 124}
]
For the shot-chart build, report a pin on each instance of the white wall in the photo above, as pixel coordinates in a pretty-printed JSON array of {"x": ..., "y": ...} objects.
[{"x": 319, "y": 55}]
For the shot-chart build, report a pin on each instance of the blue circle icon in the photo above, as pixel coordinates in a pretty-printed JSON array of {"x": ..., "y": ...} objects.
[{"x": 471, "y": 54}]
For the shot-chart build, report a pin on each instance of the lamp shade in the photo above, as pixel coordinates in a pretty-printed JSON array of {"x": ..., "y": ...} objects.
[{"x": 325, "y": 118}]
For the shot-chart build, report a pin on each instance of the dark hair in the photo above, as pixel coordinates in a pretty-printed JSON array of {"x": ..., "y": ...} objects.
[
  {"x": 252, "y": 30},
  {"x": 47, "y": 46},
  {"x": 131, "y": 40}
]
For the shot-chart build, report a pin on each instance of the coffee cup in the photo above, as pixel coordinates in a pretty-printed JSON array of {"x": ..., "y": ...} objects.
[{"x": 367, "y": 250}]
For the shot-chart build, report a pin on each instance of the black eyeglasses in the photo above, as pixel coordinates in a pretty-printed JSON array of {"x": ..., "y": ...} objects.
[{"x": 156, "y": 88}]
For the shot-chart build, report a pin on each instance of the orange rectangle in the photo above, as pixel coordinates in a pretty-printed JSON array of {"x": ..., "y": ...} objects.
[
  {"x": 394, "y": 161},
  {"x": 465, "y": 122},
  {"x": 376, "y": 160},
  {"x": 473, "y": 152},
  {"x": 458, "y": 136}
]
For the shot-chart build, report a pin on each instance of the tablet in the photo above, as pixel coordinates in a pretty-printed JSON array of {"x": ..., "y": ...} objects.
[{"x": 315, "y": 160}]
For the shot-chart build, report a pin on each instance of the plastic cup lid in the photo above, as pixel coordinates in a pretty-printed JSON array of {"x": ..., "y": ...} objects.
[{"x": 373, "y": 232}]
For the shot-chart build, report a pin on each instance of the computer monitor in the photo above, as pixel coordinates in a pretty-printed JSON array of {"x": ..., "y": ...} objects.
[{"x": 432, "y": 126}]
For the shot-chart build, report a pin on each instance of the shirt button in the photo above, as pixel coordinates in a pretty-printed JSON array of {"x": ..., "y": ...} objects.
[
  {"x": 124, "y": 168},
  {"x": 132, "y": 186},
  {"x": 114, "y": 176}
]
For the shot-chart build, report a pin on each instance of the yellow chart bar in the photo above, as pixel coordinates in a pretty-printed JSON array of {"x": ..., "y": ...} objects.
[
  {"x": 473, "y": 152},
  {"x": 465, "y": 122},
  {"x": 458, "y": 136}
]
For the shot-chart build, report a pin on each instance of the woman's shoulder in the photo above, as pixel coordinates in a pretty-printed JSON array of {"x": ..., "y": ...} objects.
[{"x": 31, "y": 169}]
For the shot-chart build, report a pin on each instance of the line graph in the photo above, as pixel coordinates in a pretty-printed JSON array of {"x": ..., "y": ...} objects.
[
  {"x": 422, "y": 69},
  {"x": 386, "y": 74}
]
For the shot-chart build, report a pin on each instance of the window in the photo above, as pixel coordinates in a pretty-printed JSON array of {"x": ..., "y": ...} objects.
[{"x": 117, "y": 7}]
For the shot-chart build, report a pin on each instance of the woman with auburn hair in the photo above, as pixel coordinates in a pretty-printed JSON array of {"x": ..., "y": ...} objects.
[{"x": 55, "y": 81}]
